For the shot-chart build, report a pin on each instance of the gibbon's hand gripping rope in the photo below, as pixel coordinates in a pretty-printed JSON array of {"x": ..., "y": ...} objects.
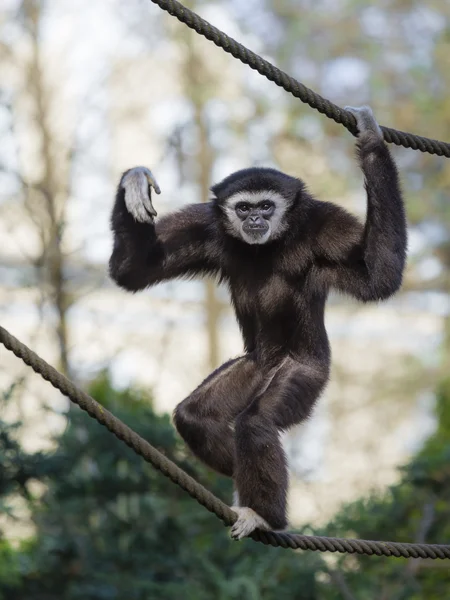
[
  {"x": 291, "y": 85},
  {"x": 195, "y": 489}
]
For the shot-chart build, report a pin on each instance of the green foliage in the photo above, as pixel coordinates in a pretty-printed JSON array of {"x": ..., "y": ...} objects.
[
  {"x": 109, "y": 526},
  {"x": 417, "y": 509},
  {"x": 9, "y": 570}
]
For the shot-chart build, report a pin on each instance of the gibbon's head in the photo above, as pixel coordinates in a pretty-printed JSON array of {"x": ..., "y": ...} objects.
[{"x": 255, "y": 203}]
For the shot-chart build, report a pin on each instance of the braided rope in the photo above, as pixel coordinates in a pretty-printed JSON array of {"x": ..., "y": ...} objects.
[
  {"x": 291, "y": 85},
  {"x": 195, "y": 489}
]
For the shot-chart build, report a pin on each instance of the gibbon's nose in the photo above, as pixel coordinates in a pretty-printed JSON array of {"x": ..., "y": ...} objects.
[{"x": 254, "y": 219}]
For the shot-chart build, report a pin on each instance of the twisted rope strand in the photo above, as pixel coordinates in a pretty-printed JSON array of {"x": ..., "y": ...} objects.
[
  {"x": 195, "y": 489},
  {"x": 291, "y": 85}
]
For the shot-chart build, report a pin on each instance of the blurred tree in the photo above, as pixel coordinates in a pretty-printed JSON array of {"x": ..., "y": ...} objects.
[
  {"x": 39, "y": 165},
  {"x": 199, "y": 85}
]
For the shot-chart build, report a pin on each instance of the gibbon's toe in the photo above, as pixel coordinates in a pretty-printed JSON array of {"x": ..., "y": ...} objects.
[{"x": 247, "y": 522}]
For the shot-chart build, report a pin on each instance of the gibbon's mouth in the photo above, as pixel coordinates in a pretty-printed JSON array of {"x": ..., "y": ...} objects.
[{"x": 255, "y": 229}]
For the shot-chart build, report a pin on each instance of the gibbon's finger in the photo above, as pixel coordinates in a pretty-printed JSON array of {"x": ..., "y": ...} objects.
[
  {"x": 147, "y": 203},
  {"x": 149, "y": 207},
  {"x": 365, "y": 119},
  {"x": 152, "y": 181}
]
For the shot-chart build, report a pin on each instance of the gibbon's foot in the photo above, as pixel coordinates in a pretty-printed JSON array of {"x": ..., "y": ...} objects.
[
  {"x": 247, "y": 522},
  {"x": 365, "y": 119},
  {"x": 137, "y": 183}
]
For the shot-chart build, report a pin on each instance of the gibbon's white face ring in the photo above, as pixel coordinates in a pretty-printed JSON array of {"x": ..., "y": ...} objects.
[{"x": 276, "y": 226}]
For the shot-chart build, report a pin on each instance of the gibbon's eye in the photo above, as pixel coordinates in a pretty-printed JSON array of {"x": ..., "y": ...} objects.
[
  {"x": 243, "y": 207},
  {"x": 265, "y": 206}
]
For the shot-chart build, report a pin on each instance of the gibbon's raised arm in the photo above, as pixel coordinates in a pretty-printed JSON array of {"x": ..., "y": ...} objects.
[
  {"x": 367, "y": 261},
  {"x": 181, "y": 244}
]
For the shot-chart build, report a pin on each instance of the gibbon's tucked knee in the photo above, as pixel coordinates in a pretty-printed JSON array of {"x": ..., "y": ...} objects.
[
  {"x": 186, "y": 419},
  {"x": 207, "y": 438},
  {"x": 193, "y": 427}
]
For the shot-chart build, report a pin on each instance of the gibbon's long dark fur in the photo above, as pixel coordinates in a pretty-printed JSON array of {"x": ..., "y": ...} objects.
[{"x": 278, "y": 289}]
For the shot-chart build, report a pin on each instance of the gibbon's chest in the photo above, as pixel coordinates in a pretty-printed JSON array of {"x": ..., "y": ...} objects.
[{"x": 264, "y": 289}]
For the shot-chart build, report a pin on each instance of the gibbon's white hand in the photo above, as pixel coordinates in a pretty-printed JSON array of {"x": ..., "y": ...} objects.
[{"x": 137, "y": 183}]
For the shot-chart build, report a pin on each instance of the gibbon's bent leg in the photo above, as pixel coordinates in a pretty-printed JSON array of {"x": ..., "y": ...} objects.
[
  {"x": 261, "y": 474},
  {"x": 205, "y": 419}
]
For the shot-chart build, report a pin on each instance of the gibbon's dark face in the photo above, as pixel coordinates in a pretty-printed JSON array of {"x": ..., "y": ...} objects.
[{"x": 255, "y": 202}]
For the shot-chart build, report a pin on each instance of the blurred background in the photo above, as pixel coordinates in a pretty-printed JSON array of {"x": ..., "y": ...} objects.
[{"x": 89, "y": 89}]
